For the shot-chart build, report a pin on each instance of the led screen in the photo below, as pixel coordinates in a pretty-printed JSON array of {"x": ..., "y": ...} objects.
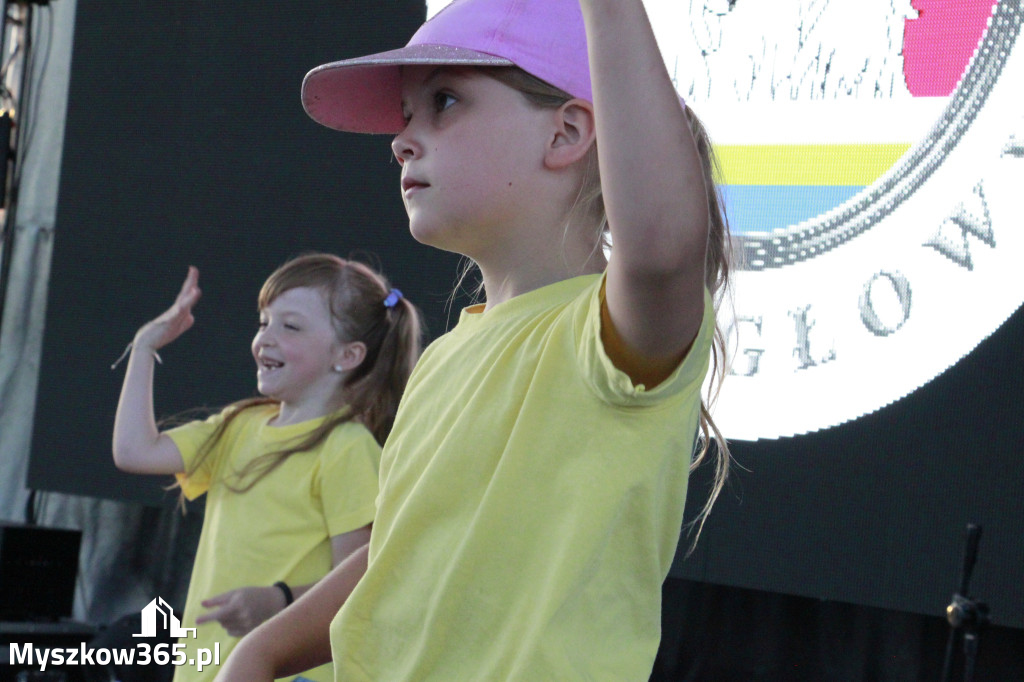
[{"x": 872, "y": 153}]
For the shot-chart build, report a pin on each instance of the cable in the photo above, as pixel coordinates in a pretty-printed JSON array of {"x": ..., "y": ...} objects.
[
  {"x": 43, "y": 50},
  {"x": 21, "y": 119}
]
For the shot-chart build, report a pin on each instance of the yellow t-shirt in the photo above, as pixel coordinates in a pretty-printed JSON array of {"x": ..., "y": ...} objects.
[
  {"x": 530, "y": 505},
  {"x": 281, "y": 528}
]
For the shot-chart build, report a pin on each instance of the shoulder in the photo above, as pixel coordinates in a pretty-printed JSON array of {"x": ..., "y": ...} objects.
[
  {"x": 349, "y": 453},
  {"x": 351, "y": 431},
  {"x": 349, "y": 436}
]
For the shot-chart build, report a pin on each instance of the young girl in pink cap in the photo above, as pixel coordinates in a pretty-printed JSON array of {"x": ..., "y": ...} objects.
[
  {"x": 532, "y": 490},
  {"x": 290, "y": 477}
]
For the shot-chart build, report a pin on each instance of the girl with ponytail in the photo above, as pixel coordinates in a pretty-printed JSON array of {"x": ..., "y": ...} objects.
[{"x": 290, "y": 476}]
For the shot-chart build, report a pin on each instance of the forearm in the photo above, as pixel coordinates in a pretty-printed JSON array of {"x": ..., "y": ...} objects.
[
  {"x": 651, "y": 173},
  {"x": 135, "y": 428},
  {"x": 298, "y": 638}
]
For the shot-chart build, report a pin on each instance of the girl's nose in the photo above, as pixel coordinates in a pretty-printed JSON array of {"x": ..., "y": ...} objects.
[
  {"x": 263, "y": 338},
  {"x": 403, "y": 147}
]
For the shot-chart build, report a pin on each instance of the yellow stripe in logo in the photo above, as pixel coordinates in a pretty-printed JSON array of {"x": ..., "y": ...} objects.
[{"x": 807, "y": 164}]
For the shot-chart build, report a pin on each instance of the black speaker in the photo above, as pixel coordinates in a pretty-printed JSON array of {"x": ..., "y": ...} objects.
[{"x": 38, "y": 567}]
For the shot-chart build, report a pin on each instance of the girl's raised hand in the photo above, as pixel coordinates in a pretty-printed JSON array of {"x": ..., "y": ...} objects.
[{"x": 176, "y": 320}]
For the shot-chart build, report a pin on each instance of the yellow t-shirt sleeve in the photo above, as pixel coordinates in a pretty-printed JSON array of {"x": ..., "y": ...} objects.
[
  {"x": 616, "y": 386},
  {"x": 190, "y": 438},
  {"x": 348, "y": 478}
]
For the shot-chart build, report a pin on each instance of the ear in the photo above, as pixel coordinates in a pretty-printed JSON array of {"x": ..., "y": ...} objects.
[
  {"x": 350, "y": 356},
  {"x": 574, "y": 134}
]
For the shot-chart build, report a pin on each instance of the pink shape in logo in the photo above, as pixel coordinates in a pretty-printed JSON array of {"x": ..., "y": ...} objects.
[{"x": 938, "y": 45}]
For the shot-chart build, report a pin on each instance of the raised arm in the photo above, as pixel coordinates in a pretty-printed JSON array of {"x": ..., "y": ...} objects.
[
  {"x": 652, "y": 183},
  {"x": 138, "y": 446},
  {"x": 299, "y": 637}
]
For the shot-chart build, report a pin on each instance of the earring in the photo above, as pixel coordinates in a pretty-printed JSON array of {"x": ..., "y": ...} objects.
[{"x": 337, "y": 368}]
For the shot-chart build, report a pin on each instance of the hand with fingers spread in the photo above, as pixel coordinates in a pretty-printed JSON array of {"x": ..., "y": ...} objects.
[
  {"x": 240, "y": 611},
  {"x": 174, "y": 321}
]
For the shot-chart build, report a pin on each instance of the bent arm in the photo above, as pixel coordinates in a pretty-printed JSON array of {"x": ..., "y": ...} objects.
[
  {"x": 138, "y": 446},
  {"x": 298, "y": 638},
  {"x": 653, "y": 186}
]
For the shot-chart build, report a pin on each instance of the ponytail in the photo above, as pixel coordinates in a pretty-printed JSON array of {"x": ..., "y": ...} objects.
[
  {"x": 364, "y": 308},
  {"x": 374, "y": 389}
]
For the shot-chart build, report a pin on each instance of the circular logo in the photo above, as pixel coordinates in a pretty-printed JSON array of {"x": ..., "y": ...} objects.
[{"x": 872, "y": 159}]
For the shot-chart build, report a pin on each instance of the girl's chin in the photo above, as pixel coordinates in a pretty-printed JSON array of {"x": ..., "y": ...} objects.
[
  {"x": 438, "y": 237},
  {"x": 266, "y": 390},
  {"x": 427, "y": 235}
]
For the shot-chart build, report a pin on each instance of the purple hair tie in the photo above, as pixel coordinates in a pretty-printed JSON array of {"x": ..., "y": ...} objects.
[{"x": 392, "y": 298}]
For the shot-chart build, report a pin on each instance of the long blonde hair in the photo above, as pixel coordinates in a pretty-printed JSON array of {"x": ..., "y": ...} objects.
[
  {"x": 590, "y": 203},
  {"x": 355, "y": 294}
]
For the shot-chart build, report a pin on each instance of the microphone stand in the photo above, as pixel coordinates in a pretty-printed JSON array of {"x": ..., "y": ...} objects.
[{"x": 965, "y": 614}]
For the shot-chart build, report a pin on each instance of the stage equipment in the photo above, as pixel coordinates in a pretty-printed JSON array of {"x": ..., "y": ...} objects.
[
  {"x": 16, "y": 27},
  {"x": 38, "y": 568},
  {"x": 964, "y": 614}
]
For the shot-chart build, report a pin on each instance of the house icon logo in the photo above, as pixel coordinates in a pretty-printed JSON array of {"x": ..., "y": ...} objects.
[{"x": 158, "y": 614}]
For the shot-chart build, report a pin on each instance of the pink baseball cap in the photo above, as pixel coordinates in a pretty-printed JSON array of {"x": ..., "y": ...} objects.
[{"x": 545, "y": 38}]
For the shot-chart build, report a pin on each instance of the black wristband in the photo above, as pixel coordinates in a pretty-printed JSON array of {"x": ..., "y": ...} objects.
[{"x": 288, "y": 596}]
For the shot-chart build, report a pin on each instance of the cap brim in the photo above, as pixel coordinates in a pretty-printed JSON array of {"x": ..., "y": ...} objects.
[{"x": 364, "y": 95}]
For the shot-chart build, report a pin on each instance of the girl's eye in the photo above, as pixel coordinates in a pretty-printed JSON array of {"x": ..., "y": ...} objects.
[
  {"x": 262, "y": 324},
  {"x": 443, "y": 100},
  {"x": 291, "y": 327}
]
